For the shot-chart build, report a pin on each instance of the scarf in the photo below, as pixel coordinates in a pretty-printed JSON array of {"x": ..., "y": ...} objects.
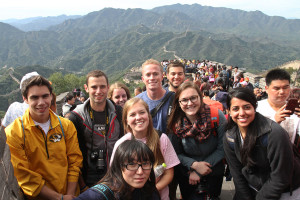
[{"x": 200, "y": 129}]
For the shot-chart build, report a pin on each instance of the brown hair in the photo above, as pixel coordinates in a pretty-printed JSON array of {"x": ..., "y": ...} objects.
[
  {"x": 175, "y": 63},
  {"x": 35, "y": 80},
  {"x": 177, "y": 112},
  {"x": 96, "y": 73},
  {"x": 153, "y": 141},
  {"x": 118, "y": 85}
]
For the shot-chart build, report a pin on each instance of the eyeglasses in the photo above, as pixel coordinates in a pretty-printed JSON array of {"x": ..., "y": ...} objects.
[
  {"x": 135, "y": 166},
  {"x": 193, "y": 99}
]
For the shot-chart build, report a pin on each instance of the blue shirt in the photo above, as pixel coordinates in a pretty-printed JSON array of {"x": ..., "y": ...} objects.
[{"x": 161, "y": 117}]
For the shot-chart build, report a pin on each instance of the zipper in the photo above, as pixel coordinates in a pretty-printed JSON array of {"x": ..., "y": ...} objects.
[{"x": 45, "y": 140}]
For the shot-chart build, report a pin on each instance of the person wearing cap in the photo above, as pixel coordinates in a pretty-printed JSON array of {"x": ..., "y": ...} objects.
[
  {"x": 17, "y": 109},
  {"x": 249, "y": 85}
]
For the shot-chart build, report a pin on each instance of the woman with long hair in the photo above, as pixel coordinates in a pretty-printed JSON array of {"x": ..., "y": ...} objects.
[
  {"x": 118, "y": 93},
  {"x": 196, "y": 132},
  {"x": 259, "y": 153},
  {"x": 130, "y": 176},
  {"x": 138, "y": 124}
]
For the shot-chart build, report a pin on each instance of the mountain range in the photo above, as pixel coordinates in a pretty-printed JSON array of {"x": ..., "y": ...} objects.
[{"x": 115, "y": 40}]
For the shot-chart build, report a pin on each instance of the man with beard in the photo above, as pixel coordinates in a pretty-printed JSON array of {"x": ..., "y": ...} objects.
[{"x": 175, "y": 75}]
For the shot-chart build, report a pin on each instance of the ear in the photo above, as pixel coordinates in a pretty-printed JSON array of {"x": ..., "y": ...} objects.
[
  {"x": 25, "y": 100},
  {"x": 86, "y": 88},
  {"x": 142, "y": 78}
]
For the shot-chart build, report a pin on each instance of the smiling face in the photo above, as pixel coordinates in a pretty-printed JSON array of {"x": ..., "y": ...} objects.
[
  {"x": 97, "y": 88},
  {"x": 152, "y": 76},
  {"x": 136, "y": 178},
  {"x": 39, "y": 101},
  {"x": 242, "y": 113},
  {"x": 176, "y": 76},
  {"x": 188, "y": 104},
  {"x": 119, "y": 96},
  {"x": 138, "y": 120}
]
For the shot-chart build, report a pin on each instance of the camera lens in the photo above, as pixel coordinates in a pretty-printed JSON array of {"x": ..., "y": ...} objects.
[{"x": 100, "y": 161}]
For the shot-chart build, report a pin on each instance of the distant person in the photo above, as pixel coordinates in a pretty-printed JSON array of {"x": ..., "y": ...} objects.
[
  {"x": 17, "y": 109},
  {"x": 137, "y": 91},
  {"x": 278, "y": 89},
  {"x": 77, "y": 93},
  {"x": 155, "y": 94},
  {"x": 82, "y": 98},
  {"x": 69, "y": 105},
  {"x": 175, "y": 75},
  {"x": 130, "y": 176},
  {"x": 118, "y": 93},
  {"x": 44, "y": 147}
]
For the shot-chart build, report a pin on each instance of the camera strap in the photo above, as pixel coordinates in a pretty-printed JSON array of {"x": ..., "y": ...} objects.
[{"x": 91, "y": 113}]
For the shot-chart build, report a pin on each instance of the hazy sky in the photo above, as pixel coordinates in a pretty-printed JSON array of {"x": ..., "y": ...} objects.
[{"x": 20, "y": 9}]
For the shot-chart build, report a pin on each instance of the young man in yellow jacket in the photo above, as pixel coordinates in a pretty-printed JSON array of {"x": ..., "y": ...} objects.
[{"x": 44, "y": 147}]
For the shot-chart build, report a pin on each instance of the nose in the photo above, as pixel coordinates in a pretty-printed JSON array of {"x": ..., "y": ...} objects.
[
  {"x": 139, "y": 170},
  {"x": 241, "y": 111},
  {"x": 41, "y": 101}
]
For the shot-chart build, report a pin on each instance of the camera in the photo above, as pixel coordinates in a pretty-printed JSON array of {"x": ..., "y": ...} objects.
[
  {"x": 202, "y": 186},
  {"x": 98, "y": 157}
]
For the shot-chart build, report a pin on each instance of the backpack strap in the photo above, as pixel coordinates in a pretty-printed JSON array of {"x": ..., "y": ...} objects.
[
  {"x": 214, "y": 115},
  {"x": 105, "y": 191},
  {"x": 154, "y": 111},
  {"x": 23, "y": 130},
  {"x": 62, "y": 129}
]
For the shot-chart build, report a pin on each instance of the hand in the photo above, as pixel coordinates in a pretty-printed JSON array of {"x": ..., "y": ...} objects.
[
  {"x": 194, "y": 179},
  {"x": 203, "y": 168},
  {"x": 281, "y": 114},
  {"x": 69, "y": 197}
]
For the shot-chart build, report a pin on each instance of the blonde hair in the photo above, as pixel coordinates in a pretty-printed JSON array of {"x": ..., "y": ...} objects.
[
  {"x": 152, "y": 61},
  {"x": 153, "y": 140},
  {"x": 117, "y": 85}
]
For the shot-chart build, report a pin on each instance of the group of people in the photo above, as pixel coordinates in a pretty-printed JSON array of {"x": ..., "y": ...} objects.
[{"x": 113, "y": 146}]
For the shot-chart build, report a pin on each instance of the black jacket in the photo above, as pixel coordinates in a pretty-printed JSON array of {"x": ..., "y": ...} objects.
[{"x": 275, "y": 168}]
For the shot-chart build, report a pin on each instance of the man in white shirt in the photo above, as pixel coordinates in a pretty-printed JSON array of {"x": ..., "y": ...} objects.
[{"x": 278, "y": 89}]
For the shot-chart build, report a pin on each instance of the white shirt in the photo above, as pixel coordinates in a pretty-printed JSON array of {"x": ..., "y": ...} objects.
[{"x": 290, "y": 124}]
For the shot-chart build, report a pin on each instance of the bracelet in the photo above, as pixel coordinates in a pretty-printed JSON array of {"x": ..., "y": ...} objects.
[{"x": 62, "y": 197}]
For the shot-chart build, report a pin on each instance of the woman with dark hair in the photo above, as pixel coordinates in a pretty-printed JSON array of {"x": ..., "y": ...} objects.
[
  {"x": 259, "y": 152},
  {"x": 130, "y": 176},
  {"x": 138, "y": 124},
  {"x": 196, "y": 132}
]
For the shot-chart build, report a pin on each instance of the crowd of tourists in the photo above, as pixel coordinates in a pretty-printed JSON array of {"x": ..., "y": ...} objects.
[{"x": 193, "y": 123}]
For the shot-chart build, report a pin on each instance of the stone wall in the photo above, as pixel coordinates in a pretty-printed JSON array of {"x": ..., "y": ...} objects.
[{"x": 9, "y": 188}]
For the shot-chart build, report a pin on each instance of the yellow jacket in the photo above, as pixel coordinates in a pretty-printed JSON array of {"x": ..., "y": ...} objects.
[{"x": 52, "y": 160}]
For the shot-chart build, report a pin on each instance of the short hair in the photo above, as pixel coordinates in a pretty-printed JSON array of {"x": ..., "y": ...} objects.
[
  {"x": 118, "y": 85},
  {"x": 139, "y": 89},
  {"x": 206, "y": 93},
  {"x": 175, "y": 63},
  {"x": 97, "y": 74},
  {"x": 35, "y": 80},
  {"x": 152, "y": 61},
  {"x": 277, "y": 74},
  {"x": 69, "y": 96}
]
